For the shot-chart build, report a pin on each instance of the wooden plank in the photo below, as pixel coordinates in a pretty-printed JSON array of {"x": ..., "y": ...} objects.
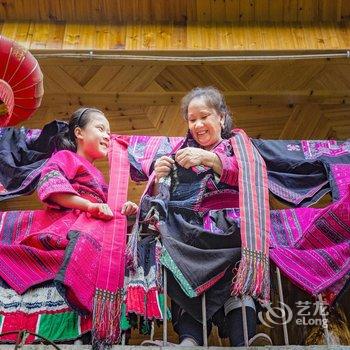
[
  {"x": 276, "y": 10},
  {"x": 145, "y": 78},
  {"x": 246, "y": 10},
  {"x": 9, "y": 29},
  {"x": 261, "y": 10},
  {"x": 232, "y": 10},
  {"x": 57, "y": 10},
  {"x": 302, "y": 122},
  {"x": 155, "y": 115},
  {"x": 290, "y": 11},
  {"x": 81, "y": 74},
  {"x": 71, "y": 36},
  {"x": 222, "y": 77},
  {"x": 50, "y": 85},
  {"x": 102, "y": 37},
  {"x": 218, "y": 11},
  {"x": 203, "y": 10},
  {"x": 41, "y": 36},
  {"x": 172, "y": 122},
  {"x": 117, "y": 37},
  {"x": 101, "y": 78},
  {"x": 345, "y": 10},
  {"x": 56, "y": 38},
  {"x": 123, "y": 78},
  {"x": 330, "y": 10},
  {"x": 307, "y": 10},
  {"x": 84, "y": 36},
  {"x": 59, "y": 75},
  {"x": 147, "y": 11},
  {"x": 24, "y": 34}
]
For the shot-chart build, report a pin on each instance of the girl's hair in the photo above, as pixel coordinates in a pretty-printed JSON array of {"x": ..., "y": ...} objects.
[
  {"x": 214, "y": 99},
  {"x": 80, "y": 118}
]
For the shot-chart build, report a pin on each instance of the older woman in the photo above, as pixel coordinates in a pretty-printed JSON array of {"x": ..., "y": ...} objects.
[{"x": 196, "y": 237}]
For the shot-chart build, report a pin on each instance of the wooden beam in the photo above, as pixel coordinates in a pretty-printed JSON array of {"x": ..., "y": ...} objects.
[
  {"x": 176, "y": 58},
  {"x": 113, "y": 101},
  {"x": 197, "y": 36}
]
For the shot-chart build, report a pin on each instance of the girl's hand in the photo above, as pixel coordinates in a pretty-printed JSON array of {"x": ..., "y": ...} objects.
[
  {"x": 190, "y": 156},
  {"x": 163, "y": 166},
  {"x": 100, "y": 211},
  {"x": 129, "y": 208}
]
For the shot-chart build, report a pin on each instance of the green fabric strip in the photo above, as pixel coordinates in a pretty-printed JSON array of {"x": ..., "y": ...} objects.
[
  {"x": 124, "y": 322},
  {"x": 168, "y": 262},
  {"x": 161, "y": 306},
  {"x": 1, "y": 322},
  {"x": 60, "y": 326}
]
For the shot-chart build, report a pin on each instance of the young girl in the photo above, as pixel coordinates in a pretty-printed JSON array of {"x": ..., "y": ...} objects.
[
  {"x": 70, "y": 180},
  {"x": 39, "y": 246}
]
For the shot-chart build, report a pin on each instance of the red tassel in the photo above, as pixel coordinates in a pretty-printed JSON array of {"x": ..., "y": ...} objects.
[{"x": 106, "y": 318}]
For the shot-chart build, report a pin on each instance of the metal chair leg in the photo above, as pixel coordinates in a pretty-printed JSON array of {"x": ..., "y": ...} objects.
[
  {"x": 324, "y": 321},
  {"x": 165, "y": 324},
  {"x": 280, "y": 295},
  {"x": 244, "y": 324},
  {"x": 204, "y": 320}
]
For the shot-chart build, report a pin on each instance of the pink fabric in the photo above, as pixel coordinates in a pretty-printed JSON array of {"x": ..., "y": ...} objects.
[
  {"x": 316, "y": 253},
  {"x": 61, "y": 245},
  {"x": 341, "y": 177},
  {"x": 229, "y": 163},
  {"x": 67, "y": 172},
  {"x": 110, "y": 279},
  {"x": 313, "y": 149},
  {"x": 84, "y": 256}
]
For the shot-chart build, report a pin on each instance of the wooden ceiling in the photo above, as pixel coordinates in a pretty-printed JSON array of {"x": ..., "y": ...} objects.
[
  {"x": 178, "y": 11},
  {"x": 284, "y": 100}
]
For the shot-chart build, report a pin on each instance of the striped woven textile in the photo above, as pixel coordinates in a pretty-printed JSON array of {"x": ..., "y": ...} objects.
[
  {"x": 252, "y": 276},
  {"x": 312, "y": 246},
  {"x": 110, "y": 279}
]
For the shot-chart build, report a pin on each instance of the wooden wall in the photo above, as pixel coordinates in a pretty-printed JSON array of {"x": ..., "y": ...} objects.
[{"x": 179, "y": 11}]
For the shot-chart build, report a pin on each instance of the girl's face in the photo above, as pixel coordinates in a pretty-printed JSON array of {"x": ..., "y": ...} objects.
[
  {"x": 93, "y": 139},
  {"x": 204, "y": 123}
]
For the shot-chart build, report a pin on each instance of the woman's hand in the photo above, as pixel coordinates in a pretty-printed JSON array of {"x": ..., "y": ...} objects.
[
  {"x": 129, "y": 208},
  {"x": 100, "y": 211},
  {"x": 191, "y": 156},
  {"x": 163, "y": 166}
]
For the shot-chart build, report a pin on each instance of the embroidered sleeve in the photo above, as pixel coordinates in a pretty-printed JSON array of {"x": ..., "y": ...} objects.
[
  {"x": 55, "y": 176},
  {"x": 229, "y": 174}
]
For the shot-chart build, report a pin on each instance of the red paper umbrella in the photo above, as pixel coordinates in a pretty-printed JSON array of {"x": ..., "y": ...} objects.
[{"x": 21, "y": 83}]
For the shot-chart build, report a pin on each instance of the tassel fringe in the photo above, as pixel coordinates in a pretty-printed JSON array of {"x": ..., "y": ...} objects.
[
  {"x": 252, "y": 276},
  {"x": 106, "y": 319}
]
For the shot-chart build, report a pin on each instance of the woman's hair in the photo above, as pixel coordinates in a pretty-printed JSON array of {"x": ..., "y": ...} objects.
[
  {"x": 214, "y": 99},
  {"x": 79, "y": 119}
]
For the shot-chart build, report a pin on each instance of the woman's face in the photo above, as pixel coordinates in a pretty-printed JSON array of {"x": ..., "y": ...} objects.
[{"x": 204, "y": 123}]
